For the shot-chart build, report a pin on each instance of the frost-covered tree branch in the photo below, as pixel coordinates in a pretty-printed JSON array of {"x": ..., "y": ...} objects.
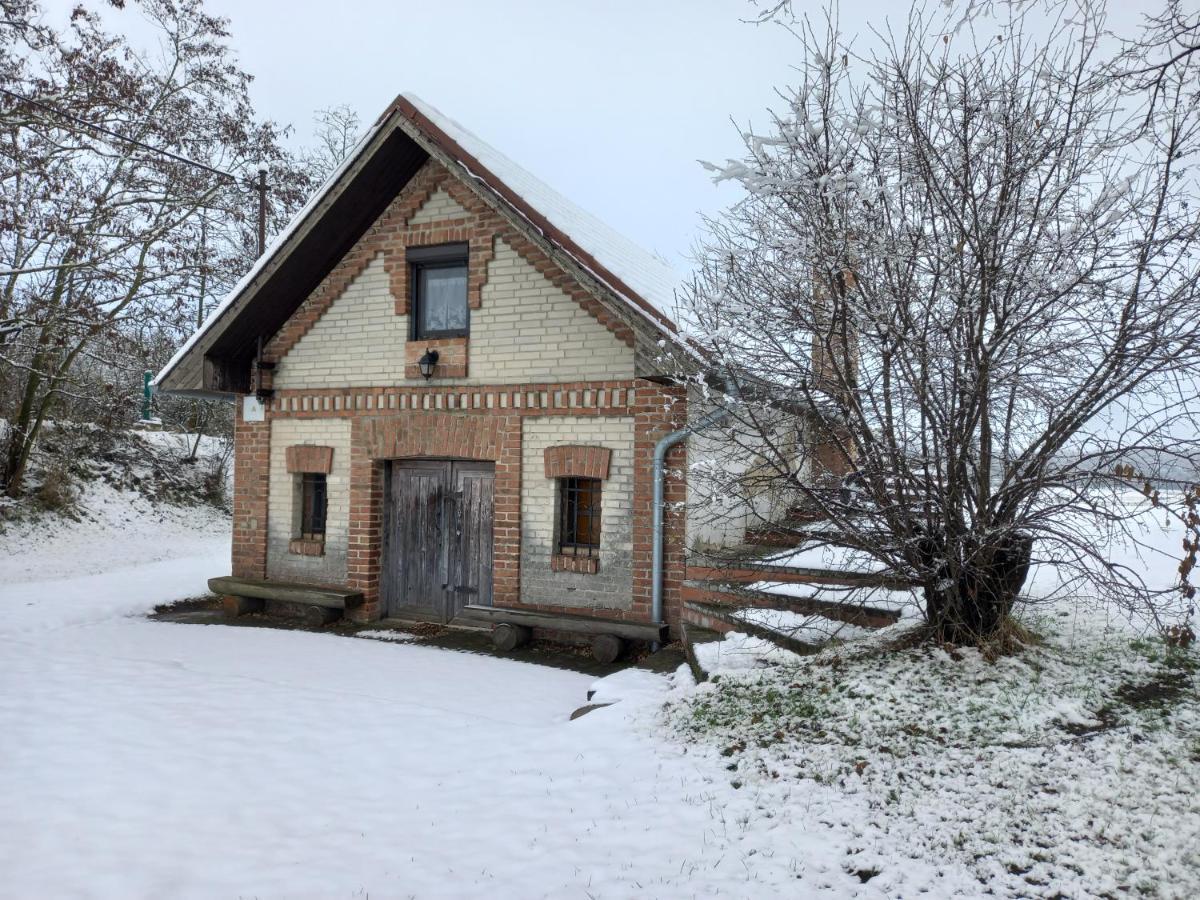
[
  {"x": 124, "y": 204},
  {"x": 973, "y": 263}
]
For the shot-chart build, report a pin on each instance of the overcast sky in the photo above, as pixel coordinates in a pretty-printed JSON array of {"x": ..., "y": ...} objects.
[{"x": 609, "y": 101}]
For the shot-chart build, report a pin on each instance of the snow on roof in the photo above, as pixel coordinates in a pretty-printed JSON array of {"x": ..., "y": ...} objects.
[{"x": 650, "y": 276}]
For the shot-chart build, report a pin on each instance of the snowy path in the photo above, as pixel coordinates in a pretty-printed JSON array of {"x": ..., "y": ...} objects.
[{"x": 150, "y": 759}]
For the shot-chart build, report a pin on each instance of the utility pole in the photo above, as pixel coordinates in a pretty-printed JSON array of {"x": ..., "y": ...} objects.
[
  {"x": 203, "y": 270},
  {"x": 262, "y": 210},
  {"x": 146, "y": 377}
]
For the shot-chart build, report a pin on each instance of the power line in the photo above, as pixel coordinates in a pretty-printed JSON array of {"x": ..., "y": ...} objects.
[
  {"x": 260, "y": 185},
  {"x": 120, "y": 137}
]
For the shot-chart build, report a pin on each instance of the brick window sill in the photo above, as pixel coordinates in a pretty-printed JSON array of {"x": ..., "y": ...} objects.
[
  {"x": 583, "y": 565},
  {"x": 307, "y": 547}
]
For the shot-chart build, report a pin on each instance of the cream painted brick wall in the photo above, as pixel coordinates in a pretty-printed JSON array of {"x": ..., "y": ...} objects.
[
  {"x": 719, "y": 508},
  {"x": 527, "y": 331},
  {"x": 359, "y": 341},
  {"x": 612, "y": 585},
  {"x": 440, "y": 205},
  {"x": 283, "y": 516}
]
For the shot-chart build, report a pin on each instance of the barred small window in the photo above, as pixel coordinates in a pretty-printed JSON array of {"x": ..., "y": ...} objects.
[
  {"x": 579, "y": 516},
  {"x": 312, "y": 506}
]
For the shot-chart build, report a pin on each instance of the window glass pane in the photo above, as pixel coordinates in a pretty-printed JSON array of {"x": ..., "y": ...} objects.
[
  {"x": 312, "y": 518},
  {"x": 442, "y": 299},
  {"x": 579, "y": 514}
]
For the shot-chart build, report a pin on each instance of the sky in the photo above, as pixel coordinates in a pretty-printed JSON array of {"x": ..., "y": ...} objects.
[{"x": 611, "y": 102}]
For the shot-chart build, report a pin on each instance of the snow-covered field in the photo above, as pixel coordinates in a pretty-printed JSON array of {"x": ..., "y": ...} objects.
[
  {"x": 143, "y": 758},
  {"x": 151, "y": 759}
]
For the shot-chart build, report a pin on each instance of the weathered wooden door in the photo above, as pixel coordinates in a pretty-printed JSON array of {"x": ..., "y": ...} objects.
[
  {"x": 437, "y": 554},
  {"x": 471, "y": 535}
]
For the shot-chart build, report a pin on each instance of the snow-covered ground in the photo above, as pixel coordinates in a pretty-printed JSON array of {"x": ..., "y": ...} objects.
[
  {"x": 114, "y": 526},
  {"x": 117, "y": 529},
  {"x": 143, "y": 758},
  {"x": 150, "y": 759},
  {"x": 1065, "y": 771}
]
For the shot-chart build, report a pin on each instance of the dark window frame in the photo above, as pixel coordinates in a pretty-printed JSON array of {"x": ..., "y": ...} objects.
[
  {"x": 579, "y": 516},
  {"x": 439, "y": 256},
  {"x": 314, "y": 505}
]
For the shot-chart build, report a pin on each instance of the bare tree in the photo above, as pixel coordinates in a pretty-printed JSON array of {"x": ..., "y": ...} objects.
[
  {"x": 124, "y": 204},
  {"x": 1167, "y": 37},
  {"x": 973, "y": 263},
  {"x": 337, "y": 131}
]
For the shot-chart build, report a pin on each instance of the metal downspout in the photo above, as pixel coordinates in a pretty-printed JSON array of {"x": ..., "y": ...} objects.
[{"x": 660, "y": 459}]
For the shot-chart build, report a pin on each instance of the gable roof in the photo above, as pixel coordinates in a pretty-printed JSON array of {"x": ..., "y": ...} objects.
[
  {"x": 344, "y": 207},
  {"x": 642, "y": 276}
]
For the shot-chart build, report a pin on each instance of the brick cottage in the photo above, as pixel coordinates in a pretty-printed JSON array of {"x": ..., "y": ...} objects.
[{"x": 449, "y": 395}]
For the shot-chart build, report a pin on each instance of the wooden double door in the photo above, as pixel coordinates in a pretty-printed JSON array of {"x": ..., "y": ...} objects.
[{"x": 437, "y": 551}]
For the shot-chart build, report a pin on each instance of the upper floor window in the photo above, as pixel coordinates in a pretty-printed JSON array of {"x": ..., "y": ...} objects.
[{"x": 439, "y": 291}]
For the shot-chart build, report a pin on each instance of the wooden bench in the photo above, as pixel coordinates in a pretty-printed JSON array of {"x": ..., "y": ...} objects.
[
  {"x": 321, "y": 605},
  {"x": 513, "y": 627}
]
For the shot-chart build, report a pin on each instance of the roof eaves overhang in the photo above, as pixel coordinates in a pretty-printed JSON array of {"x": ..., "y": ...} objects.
[{"x": 185, "y": 372}]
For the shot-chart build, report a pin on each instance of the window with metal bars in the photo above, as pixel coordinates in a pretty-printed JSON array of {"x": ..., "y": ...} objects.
[
  {"x": 312, "y": 506},
  {"x": 579, "y": 516}
]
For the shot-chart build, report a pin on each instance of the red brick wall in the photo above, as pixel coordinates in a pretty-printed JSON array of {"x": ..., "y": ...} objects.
[
  {"x": 309, "y": 458},
  {"x": 251, "y": 488},
  {"x": 417, "y": 434},
  {"x": 390, "y": 428},
  {"x": 452, "y": 357},
  {"x": 658, "y": 411},
  {"x": 577, "y": 461}
]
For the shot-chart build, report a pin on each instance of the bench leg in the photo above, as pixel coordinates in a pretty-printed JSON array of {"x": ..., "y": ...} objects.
[
  {"x": 317, "y": 616},
  {"x": 507, "y": 637},
  {"x": 239, "y": 606},
  {"x": 607, "y": 648}
]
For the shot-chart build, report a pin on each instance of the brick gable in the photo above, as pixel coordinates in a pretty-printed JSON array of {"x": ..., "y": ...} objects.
[{"x": 400, "y": 226}]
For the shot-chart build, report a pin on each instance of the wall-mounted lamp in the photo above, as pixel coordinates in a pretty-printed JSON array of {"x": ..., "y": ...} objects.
[{"x": 427, "y": 362}]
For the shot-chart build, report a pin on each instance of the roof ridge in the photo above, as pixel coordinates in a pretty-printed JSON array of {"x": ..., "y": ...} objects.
[{"x": 643, "y": 279}]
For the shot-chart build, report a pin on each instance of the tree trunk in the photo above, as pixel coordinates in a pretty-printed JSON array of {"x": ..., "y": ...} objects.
[
  {"x": 20, "y": 438},
  {"x": 968, "y": 607}
]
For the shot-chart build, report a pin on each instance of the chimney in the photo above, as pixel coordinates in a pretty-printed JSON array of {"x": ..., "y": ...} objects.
[{"x": 834, "y": 374}]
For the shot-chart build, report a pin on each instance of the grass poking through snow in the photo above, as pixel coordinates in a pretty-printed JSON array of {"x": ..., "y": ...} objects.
[{"x": 1066, "y": 768}]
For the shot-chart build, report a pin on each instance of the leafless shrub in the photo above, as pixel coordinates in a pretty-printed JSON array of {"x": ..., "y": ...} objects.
[{"x": 968, "y": 264}]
